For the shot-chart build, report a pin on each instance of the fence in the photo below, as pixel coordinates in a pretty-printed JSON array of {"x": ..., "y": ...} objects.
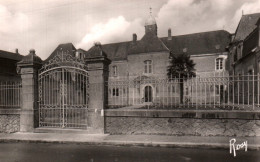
[
  {"x": 10, "y": 95},
  {"x": 207, "y": 92}
]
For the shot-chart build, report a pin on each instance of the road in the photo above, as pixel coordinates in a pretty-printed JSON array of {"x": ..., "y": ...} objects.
[{"x": 50, "y": 152}]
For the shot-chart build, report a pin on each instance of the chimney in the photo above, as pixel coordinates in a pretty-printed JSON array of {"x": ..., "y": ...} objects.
[
  {"x": 16, "y": 51},
  {"x": 32, "y": 51},
  {"x": 134, "y": 38},
  {"x": 169, "y": 34}
]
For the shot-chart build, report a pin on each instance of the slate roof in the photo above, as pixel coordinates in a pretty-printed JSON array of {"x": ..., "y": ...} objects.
[
  {"x": 67, "y": 47},
  {"x": 96, "y": 51},
  {"x": 250, "y": 42},
  {"x": 246, "y": 26},
  {"x": 10, "y": 55},
  {"x": 149, "y": 43},
  {"x": 116, "y": 51},
  {"x": 198, "y": 43}
]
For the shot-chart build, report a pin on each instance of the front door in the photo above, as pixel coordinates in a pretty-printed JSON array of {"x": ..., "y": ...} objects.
[{"x": 148, "y": 94}]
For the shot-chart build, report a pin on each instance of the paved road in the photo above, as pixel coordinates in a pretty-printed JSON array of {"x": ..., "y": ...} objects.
[{"x": 49, "y": 152}]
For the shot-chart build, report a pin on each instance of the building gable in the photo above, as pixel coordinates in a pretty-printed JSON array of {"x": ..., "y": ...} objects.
[
  {"x": 246, "y": 25},
  {"x": 67, "y": 47}
]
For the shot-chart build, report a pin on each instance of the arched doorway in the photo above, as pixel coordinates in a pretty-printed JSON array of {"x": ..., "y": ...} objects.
[{"x": 148, "y": 94}]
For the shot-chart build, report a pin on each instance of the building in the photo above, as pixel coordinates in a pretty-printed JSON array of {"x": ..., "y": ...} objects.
[
  {"x": 244, "y": 47},
  {"x": 10, "y": 80},
  {"x": 145, "y": 61},
  {"x": 8, "y": 61},
  {"x": 244, "y": 60}
]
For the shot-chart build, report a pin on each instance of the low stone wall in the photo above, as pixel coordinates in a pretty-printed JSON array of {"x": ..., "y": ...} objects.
[
  {"x": 9, "y": 121},
  {"x": 179, "y": 122}
]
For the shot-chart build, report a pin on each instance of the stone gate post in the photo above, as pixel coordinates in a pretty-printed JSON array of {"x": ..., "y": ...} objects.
[
  {"x": 98, "y": 66},
  {"x": 28, "y": 68}
]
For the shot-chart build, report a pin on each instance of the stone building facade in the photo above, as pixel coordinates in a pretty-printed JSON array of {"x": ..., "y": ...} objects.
[{"x": 148, "y": 59}]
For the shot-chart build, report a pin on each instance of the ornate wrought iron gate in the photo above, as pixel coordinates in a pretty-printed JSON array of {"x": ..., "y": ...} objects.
[{"x": 63, "y": 92}]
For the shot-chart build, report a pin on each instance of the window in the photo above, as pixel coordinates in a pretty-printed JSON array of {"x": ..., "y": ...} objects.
[
  {"x": 171, "y": 89},
  {"x": 250, "y": 72},
  {"x": 114, "y": 70},
  {"x": 187, "y": 90},
  {"x": 219, "y": 89},
  {"x": 148, "y": 66},
  {"x": 219, "y": 64},
  {"x": 234, "y": 54},
  {"x": 240, "y": 51},
  {"x": 115, "y": 92},
  {"x": 81, "y": 56}
]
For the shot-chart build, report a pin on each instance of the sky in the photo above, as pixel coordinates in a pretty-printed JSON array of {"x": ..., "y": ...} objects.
[{"x": 44, "y": 24}]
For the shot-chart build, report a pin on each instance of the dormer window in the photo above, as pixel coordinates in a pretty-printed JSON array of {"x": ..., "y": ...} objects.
[
  {"x": 219, "y": 63},
  {"x": 80, "y": 55},
  {"x": 148, "y": 66}
]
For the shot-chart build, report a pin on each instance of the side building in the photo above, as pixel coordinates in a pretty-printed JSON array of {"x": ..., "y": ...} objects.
[
  {"x": 244, "y": 47},
  {"x": 8, "y": 61},
  {"x": 10, "y": 80}
]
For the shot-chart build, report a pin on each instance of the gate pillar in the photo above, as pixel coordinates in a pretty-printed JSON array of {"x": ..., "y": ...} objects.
[
  {"x": 98, "y": 66},
  {"x": 28, "y": 68}
]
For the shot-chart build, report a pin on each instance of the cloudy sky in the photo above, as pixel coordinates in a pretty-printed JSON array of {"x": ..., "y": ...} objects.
[{"x": 43, "y": 24}]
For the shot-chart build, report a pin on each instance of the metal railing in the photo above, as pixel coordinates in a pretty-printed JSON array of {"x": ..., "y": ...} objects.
[
  {"x": 238, "y": 92},
  {"x": 10, "y": 95}
]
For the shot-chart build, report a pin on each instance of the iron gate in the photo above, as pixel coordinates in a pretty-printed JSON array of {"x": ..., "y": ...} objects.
[{"x": 63, "y": 92}]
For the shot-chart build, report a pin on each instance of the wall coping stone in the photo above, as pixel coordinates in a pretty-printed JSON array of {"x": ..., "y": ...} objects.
[{"x": 197, "y": 114}]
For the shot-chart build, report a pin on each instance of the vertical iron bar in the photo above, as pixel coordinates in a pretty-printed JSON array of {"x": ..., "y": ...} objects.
[
  {"x": 214, "y": 91},
  {"x": 196, "y": 96},
  {"x": 248, "y": 89},
  {"x": 233, "y": 90},
  {"x": 258, "y": 89},
  {"x": 243, "y": 95},
  {"x": 205, "y": 94},
  {"x": 253, "y": 90},
  {"x": 63, "y": 112}
]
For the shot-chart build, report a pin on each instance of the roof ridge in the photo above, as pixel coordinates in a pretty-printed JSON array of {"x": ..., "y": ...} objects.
[
  {"x": 166, "y": 37},
  {"x": 251, "y": 14},
  {"x": 10, "y": 52},
  {"x": 10, "y": 55},
  {"x": 199, "y": 33},
  {"x": 116, "y": 43}
]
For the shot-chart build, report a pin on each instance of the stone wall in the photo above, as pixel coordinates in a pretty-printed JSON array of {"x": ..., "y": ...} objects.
[
  {"x": 194, "y": 125},
  {"x": 9, "y": 123},
  {"x": 9, "y": 120}
]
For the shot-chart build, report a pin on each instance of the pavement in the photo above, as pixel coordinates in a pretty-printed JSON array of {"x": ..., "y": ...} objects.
[{"x": 131, "y": 140}]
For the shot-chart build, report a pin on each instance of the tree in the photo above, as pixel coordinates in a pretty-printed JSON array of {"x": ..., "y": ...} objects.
[{"x": 181, "y": 68}]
